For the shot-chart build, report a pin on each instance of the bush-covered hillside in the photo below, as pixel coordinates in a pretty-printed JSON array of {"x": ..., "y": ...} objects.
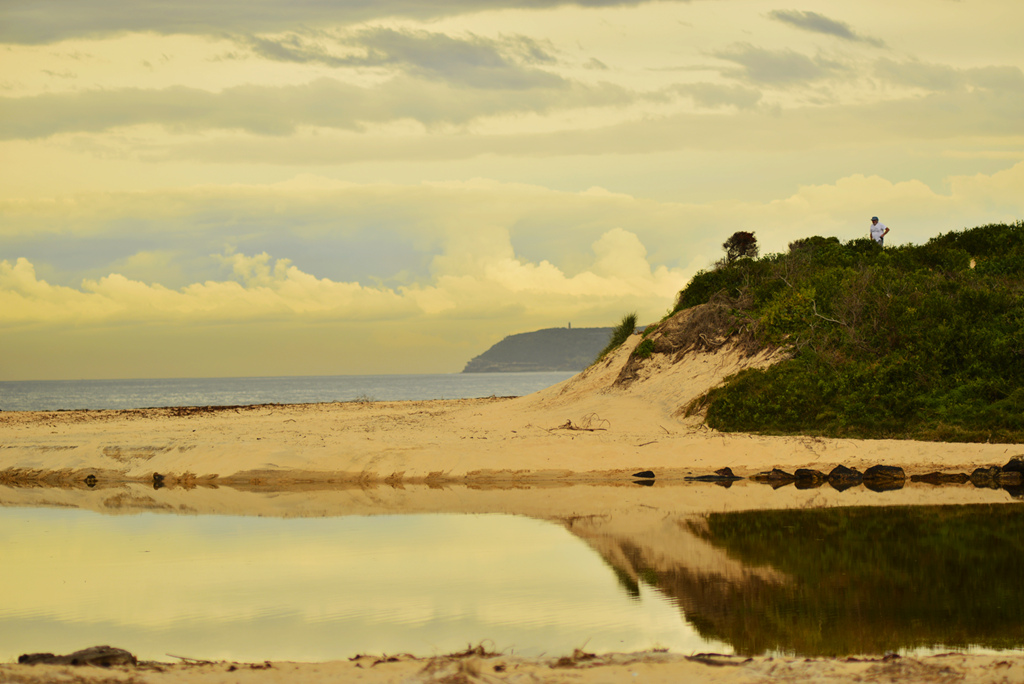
[
  {"x": 551, "y": 349},
  {"x": 919, "y": 341}
]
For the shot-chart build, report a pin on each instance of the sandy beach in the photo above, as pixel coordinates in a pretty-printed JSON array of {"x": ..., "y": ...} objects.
[
  {"x": 567, "y": 454},
  {"x": 585, "y": 429}
]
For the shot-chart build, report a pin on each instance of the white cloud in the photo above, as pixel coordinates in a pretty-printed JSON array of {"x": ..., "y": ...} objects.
[
  {"x": 478, "y": 267},
  {"x": 473, "y": 275}
]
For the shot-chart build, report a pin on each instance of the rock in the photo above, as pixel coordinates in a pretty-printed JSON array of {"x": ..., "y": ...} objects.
[
  {"x": 884, "y": 485},
  {"x": 995, "y": 477},
  {"x": 101, "y": 656},
  {"x": 938, "y": 478},
  {"x": 644, "y": 473},
  {"x": 1014, "y": 465},
  {"x": 884, "y": 472},
  {"x": 776, "y": 478},
  {"x": 809, "y": 479},
  {"x": 842, "y": 478},
  {"x": 883, "y": 478},
  {"x": 1015, "y": 491},
  {"x": 986, "y": 477},
  {"x": 721, "y": 475},
  {"x": 1013, "y": 472}
]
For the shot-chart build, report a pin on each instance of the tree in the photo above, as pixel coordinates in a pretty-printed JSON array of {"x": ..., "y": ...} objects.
[{"x": 740, "y": 244}]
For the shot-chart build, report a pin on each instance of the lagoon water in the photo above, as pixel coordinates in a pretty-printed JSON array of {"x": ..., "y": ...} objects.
[
  {"x": 247, "y": 588},
  {"x": 819, "y": 582},
  {"x": 59, "y": 395}
]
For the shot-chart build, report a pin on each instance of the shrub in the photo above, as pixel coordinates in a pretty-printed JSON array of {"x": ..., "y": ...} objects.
[{"x": 908, "y": 341}]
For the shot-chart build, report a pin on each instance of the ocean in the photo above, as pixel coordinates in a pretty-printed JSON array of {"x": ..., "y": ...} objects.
[{"x": 60, "y": 395}]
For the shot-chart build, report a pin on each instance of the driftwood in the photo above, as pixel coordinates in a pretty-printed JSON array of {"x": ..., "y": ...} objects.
[{"x": 590, "y": 423}]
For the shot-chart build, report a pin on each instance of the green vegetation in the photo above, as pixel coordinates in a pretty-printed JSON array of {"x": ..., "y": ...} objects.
[
  {"x": 740, "y": 244},
  {"x": 621, "y": 333},
  {"x": 644, "y": 349},
  {"x": 917, "y": 341},
  {"x": 867, "y": 580},
  {"x": 551, "y": 349}
]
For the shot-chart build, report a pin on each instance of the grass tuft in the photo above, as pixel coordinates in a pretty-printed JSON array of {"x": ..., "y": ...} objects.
[{"x": 621, "y": 333}]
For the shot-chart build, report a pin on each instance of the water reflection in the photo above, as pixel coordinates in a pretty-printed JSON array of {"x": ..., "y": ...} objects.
[
  {"x": 861, "y": 580},
  {"x": 248, "y": 588},
  {"x": 808, "y": 582}
]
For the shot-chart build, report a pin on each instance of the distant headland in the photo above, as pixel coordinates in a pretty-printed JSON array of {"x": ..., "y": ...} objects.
[{"x": 548, "y": 350}]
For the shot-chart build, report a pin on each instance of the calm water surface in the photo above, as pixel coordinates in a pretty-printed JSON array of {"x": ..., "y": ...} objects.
[
  {"x": 817, "y": 582},
  {"x": 252, "y": 589}
]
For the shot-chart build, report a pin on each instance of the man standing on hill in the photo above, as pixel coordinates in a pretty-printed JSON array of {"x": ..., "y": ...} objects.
[{"x": 878, "y": 230}]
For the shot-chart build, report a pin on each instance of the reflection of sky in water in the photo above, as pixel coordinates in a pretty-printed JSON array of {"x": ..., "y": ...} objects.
[{"x": 315, "y": 589}]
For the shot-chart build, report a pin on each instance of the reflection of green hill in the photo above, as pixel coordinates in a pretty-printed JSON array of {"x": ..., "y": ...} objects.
[
  {"x": 552, "y": 349},
  {"x": 865, "y": 580}
]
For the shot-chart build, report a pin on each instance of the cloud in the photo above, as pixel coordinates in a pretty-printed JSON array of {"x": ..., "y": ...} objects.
[
  {"x": 473, "y": 62},
  {"x": 775, "y": 67},
  {"x": 378, "y": 234},
  {"x": 464, "y": 243},
  {"x": 934, "y": 116},
  {"x": 819, "y": 23},
  {"x": 47, "y": 21},
  {"x": 281, "y": 110},
  {"x": 713, "y": 95},
  {"x": 944, "y": 78},
  {"x": 473, "y": 274}
]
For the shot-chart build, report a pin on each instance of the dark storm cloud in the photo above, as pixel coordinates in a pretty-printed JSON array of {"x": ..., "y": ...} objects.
[
  {"x": 280, "y": 110},
  {"x": 474, "y": 61},
  {"x": 47, "y": 21},
  {"x": 819, "y": 23},
  {"x": 775, "y": 67}
]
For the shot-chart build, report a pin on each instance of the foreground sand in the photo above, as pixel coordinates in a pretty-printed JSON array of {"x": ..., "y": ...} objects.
[
  {"x": 566, "y": 455},
  {"x": 583, "y": 668}
]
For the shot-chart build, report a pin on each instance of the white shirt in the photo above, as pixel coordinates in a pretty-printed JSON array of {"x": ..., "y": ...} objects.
[{"x": 877, "y": 231}]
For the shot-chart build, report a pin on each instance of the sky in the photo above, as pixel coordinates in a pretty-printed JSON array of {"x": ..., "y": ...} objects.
[{"x": 212, "y": 188}]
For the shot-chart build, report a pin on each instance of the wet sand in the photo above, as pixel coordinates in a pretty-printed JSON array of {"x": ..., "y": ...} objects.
[{"x": 567, "y": 455}]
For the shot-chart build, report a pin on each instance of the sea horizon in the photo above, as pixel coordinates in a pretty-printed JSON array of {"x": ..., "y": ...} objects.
[{"x": 139, "y": 393}]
